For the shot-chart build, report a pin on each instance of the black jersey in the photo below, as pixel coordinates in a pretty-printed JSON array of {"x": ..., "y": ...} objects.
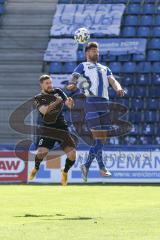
[{"x": 44, "y": 99}]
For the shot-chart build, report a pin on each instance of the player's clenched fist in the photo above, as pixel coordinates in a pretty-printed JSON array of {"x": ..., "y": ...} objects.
[
  {"x": 121, "y": 93},
  {"x": 69, "y": 102}
]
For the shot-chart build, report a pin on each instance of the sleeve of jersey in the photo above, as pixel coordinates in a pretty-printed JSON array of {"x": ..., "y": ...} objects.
[
  {"x": 109, "y": 72},
  {"x": 78, "y": 70},
  {"x": 37, "y": 102},
  {"x": 62, "y": 94}
]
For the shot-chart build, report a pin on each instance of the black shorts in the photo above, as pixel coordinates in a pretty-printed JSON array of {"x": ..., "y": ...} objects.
[{"x": 64, "y": 137}]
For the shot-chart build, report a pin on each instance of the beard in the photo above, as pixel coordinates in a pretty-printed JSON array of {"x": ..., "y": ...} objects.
[
  {"x": 48, "y": 90},
  {"x": 94, "y": 58}
]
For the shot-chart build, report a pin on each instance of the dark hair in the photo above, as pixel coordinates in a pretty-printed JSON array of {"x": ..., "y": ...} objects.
[
  {"x": 43, "y": 78},
  {"x": 91, "y": 45}
]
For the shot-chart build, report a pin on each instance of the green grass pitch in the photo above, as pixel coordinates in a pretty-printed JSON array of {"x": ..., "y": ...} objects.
[{"x": 79, "y": 212}]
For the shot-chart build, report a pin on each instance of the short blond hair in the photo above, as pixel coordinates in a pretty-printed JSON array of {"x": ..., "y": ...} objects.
[{"x": 43, "y": 78}]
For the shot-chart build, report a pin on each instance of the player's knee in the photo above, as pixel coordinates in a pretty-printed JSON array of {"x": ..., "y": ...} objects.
[
  {"x": 72, "y": 154},
  {"x": 42, "y": 153}
]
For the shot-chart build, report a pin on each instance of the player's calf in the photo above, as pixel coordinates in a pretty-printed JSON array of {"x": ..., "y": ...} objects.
[
  {"x": 71, "y": 156},
  {"x": 41, "y": 153}
]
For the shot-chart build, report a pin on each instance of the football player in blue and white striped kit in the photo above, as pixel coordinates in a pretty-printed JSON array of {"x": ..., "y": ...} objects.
[{"x": 93, "y": 79}]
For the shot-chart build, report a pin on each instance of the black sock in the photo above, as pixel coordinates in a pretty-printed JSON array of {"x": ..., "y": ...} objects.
[
  {"x": 37, "y": 162},
  {"x": 68, "y": 165}
]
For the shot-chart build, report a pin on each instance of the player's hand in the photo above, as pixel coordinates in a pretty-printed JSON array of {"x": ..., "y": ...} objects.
[
  {"x": 71, "y": 87},
  {"x": 121, "y": 93},
  {"x": 69, "y": 102}
]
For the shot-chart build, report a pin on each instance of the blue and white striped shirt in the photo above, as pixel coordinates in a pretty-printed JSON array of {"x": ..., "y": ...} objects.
[{"x": 93, "y": 78}]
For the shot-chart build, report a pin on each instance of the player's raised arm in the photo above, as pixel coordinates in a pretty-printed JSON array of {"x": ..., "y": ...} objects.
[
  {"x": 72, "y": 86},
  {"x": 115, "y": 84}
]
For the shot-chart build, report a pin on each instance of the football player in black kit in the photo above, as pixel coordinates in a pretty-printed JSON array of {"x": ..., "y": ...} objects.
[{"x": 49, "y": 104}]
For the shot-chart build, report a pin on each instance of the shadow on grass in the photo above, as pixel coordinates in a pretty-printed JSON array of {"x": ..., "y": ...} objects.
[
  {"x": 51, "y": 217},
  {"x": 36, "y": 215},
  {"x": 70, "y": 219}
]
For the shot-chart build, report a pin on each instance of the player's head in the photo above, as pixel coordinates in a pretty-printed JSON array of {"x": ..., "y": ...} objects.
[
  {"x": 92, "y": 52},
  {"x": 46, "y": 83}
]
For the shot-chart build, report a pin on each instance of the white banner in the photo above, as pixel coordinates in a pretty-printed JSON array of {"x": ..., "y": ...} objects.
[
  {"x": 60, "y": 80},
  {"x": 125, "y": 166},
  {"x": 98, "y": 18},
  {"x": 61, "y": 50}
]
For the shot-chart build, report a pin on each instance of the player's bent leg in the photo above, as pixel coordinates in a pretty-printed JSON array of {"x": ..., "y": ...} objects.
[
  {"x": 41, "y": 154},
  {"x": 71, "y": 156}
]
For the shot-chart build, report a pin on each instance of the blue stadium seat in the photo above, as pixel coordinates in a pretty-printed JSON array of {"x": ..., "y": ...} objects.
[
  {"x": 135, "y": 130},
  {"x": 55, "y": 67},
  {"x": 143, "y": 32},
  {"x": 154, "y": 91},
  {"x": 130, "y": 92},
  {"x": 157, "y": 9},
  {"x": 152, "y": 104},
  {"x": 145, "y": 140},
  {"x": 149, "y": 1},
  {"x": 124, "y": 58},
  {"x": 137, "y": 104},
  {"x": 128, "y": 80},
  {"x": 153, "y": 55},
  {"x": 131, "y": 20},
  {"x": 129, "y": 31},
  {"x": 91, "y": 2},
  {"x": 129, "y": 67},
  {"x": 138, "y": 57},
  {"x": 146, "y": 20},
  {"x": 116, "y": 67},
  {"x": 64, "y": 1},
  {"x": 135, "y": 1},
  {"x": 140, "y": 91},
  {"x": 156, "y": 67},
  {"x": 117, "y": 1},
  {"x": 69, "y": 67},
  {"x": 130, "y": 140},
  {"x": 148, "y": 9},
  {"x": 142, "y": 79},
  {"x": 156, "y": 79},
  {"x": 104, "y": 1},
  {"x": 157, "y": 20},
  {"x": 154, "y": 43},
  {"x": 78, "y": 1},
  {"x": 144, "y": 67},
  {"x": 108, "y": 58},
  {"x": 125, "y": 102},
  {"x": 156, "y": 31},
  {"x": 158, "y": 119},
  {"x": 150, "y": 116},
  {"x": 135, "y": 117},
  {"x": 133, "y": 9}
]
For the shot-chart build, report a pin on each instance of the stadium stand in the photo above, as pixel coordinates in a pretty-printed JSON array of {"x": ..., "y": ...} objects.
[
  {"x": 139, "y": 73},
  {"x": 23, "y": 45},
  {"x": 24, "y": 35}
]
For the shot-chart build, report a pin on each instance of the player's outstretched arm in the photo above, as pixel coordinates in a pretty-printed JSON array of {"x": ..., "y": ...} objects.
[
  {"x": 116, "y": 86},
  {"x": 72, "y": 86}
]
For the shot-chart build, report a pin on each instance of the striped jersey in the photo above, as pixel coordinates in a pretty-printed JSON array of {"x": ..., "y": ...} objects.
[{"x": 93, "y": 78}]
